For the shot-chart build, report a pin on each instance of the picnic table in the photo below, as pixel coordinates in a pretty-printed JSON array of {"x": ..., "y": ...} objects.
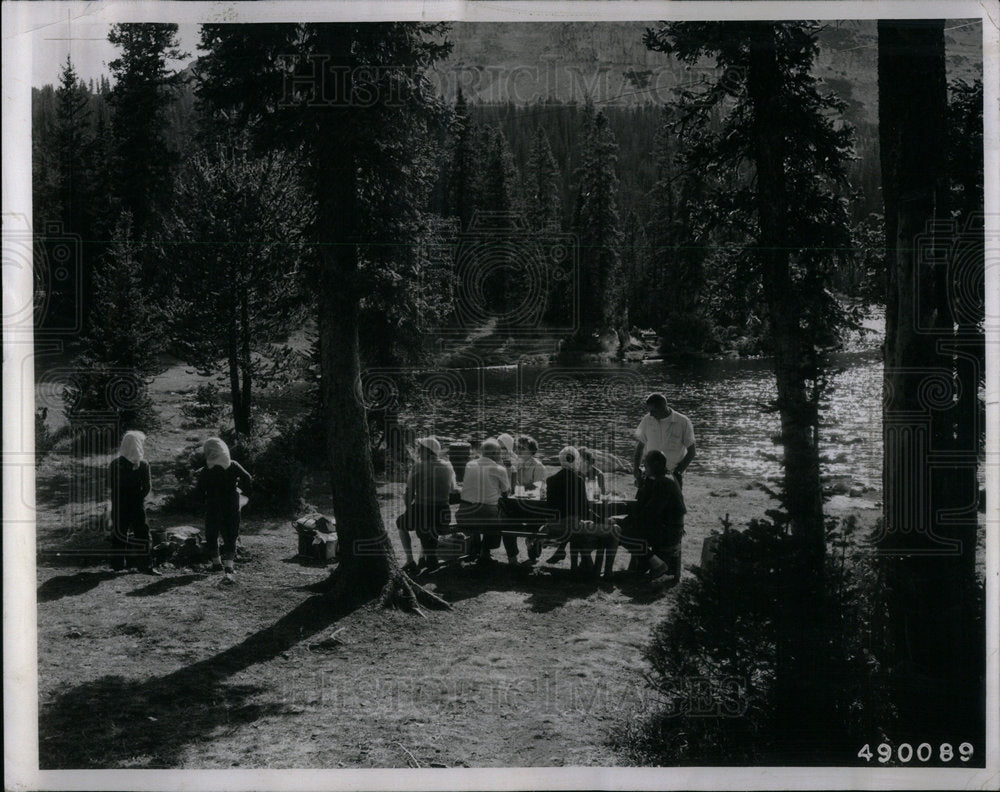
[
  {"x": 524, "y": 515},
  {"x": 531, "y": 511}
]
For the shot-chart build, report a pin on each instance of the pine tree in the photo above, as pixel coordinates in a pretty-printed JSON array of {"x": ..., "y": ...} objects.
[
  {"x": 679, "y": 234},
  {"x": 363, "y": 101},
  {"x": 597, "y": 227},
  {"x": 635, "y": 271},
  {"x": 788, "y": 208},
  {"x": 499, "y": 185},
  {"x": 777, "y": 131},
  {"x": 72, "y": 138},
  {"x": 122, "y": 339},
  {"x": 144, "y": 88},
  {"x": 462, "y": 196},
  {"x": 236, "y": 237},
  {"x": 543, "y": 201}
]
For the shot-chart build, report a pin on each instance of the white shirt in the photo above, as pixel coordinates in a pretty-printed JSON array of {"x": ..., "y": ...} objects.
[
  {"x": 529, "y": 471},
  {"x": 672, "y": 435},
  {"x": 484, "y": 480}
]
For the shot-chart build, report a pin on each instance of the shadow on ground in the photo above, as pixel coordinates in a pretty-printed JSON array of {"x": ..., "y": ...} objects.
[
  {"x": 114, "y": 722},
  {"x": 71, "y": 585},
  {"x": 163, "y": 585},
  {"x": 547, "y": 587}
]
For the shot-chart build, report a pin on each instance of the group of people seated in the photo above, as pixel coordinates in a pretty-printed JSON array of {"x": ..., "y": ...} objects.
[{"x": 566, "y": 509}]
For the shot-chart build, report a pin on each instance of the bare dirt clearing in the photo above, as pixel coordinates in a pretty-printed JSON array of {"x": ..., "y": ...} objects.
[{"x": 533, "y": 667}]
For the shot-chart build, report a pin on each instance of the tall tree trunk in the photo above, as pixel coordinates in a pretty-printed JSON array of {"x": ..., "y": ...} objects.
[
  {"x": 803, "y": 493},
  {"x": 929, "y": 557},
  {"x": 247, "y": 362},
  {"x": 368, "y": 565},
  {"x": 234, "y": 363},
  {"x": 800, "y": 710}
]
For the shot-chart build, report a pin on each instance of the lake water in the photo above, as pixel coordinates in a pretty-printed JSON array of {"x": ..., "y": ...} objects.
[{"x": 600, "y": 406}]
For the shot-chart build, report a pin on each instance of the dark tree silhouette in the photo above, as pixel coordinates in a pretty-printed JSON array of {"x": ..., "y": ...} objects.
[
  {"x": 355, "y": 98},
  {"x": 929, "y": 530},
  {"x": 777, "y": 134},
  {"x": 144, "y": 87}
]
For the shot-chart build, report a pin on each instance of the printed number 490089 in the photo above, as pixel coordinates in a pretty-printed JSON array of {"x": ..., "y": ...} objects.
[{"x": 923, "y": 753}]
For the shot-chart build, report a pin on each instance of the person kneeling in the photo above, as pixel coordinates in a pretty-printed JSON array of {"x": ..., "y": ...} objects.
[{"x": 654, "y": 533}]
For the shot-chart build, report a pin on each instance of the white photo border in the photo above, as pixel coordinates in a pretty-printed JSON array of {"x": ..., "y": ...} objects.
[{"x": 22, "y": 19}]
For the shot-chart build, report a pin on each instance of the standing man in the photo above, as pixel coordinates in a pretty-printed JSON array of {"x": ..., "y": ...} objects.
[{"x": 666, "y": 430}]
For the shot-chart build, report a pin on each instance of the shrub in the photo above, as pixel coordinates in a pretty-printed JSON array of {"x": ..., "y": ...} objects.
[
  {"x": 690, "y": 333},
  {"x": 278, "y": 472},
  {"x": 206, "y": 408},
  {"x": 714, "y": 662},
  {"x": 275, "y": 456},
  {"x": 103, "y": 391},
  {"x": 45, "y": 438}
]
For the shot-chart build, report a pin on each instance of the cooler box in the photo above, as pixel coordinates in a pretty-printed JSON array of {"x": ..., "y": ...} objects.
[{"x": 317, "y": 537}]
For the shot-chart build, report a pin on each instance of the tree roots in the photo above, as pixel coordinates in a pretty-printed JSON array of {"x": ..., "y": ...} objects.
[
  {"x": 354, "y": 585},
  {"x": 400, "y": 591}
]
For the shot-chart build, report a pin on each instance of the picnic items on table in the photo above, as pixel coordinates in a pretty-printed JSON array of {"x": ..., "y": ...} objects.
[{"x": 317, "y": 537}]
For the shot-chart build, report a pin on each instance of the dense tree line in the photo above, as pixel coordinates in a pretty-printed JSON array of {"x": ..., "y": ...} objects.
[{"x": 489, "y": 158}]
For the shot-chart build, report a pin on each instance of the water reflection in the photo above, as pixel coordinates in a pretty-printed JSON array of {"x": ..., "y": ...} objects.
[{"x": 600, "y": 406}]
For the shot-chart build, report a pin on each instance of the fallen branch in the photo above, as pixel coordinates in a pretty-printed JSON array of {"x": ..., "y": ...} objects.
[{"x": 415, "y": 762}]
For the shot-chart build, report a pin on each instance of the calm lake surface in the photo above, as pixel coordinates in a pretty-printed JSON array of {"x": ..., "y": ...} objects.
[{"x": 600, "y": 406}]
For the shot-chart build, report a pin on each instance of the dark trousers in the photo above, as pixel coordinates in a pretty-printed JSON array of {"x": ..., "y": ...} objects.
[
  {"x": 671, "y": 556},
  {"x": 510, "y": 545},
  {"x": 482, "y": 521},
  {"x": 130, "y": 543},
  {"x": 227, "y": 527},
  {"x": 426, "y": 520}
]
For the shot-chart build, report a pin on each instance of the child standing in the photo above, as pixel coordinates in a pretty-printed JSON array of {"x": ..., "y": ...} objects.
[
  {"x": 217, "y": 483},
  {"x": 130, "y": 484}
]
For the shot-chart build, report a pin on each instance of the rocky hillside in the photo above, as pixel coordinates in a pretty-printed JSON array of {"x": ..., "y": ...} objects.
[{"x": 565, "y": 61}]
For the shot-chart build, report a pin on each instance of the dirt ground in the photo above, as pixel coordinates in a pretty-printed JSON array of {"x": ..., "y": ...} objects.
[{"x": 532, "y": 667}]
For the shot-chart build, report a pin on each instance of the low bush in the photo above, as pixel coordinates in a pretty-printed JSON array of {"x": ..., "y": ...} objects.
[
  {"x": 692, "y": 333},
  {"x": 207, "y": 407},
  {"x": 101, "y": 398},
  {"x": 715, "y": 662},
  {"x": 278, "y": 456},
  {"x": 278, "y": 472}
]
